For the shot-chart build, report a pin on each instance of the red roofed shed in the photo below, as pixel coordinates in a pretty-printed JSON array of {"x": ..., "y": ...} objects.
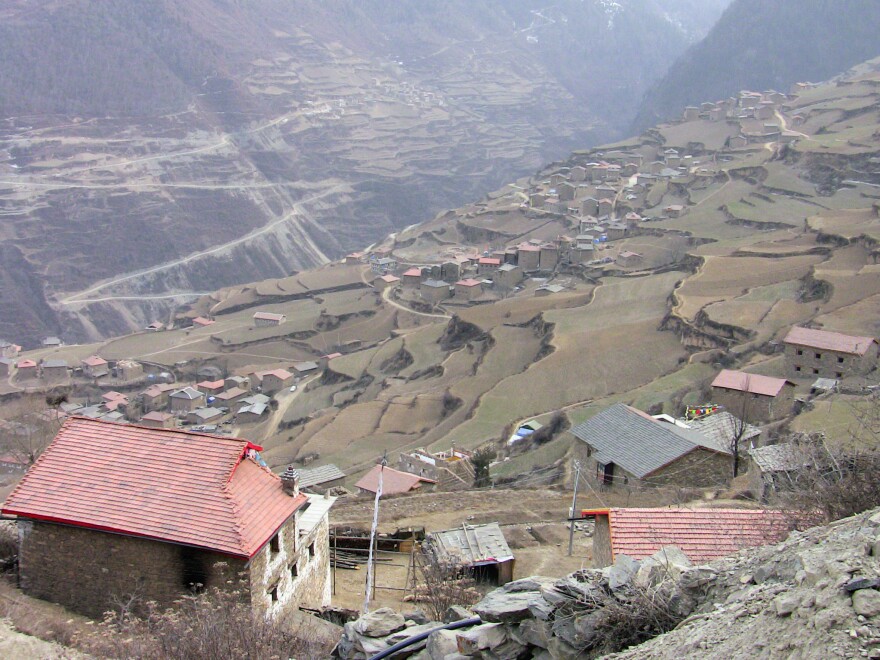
[
  {"x": 702, "y": 534},
  {"x": 110, "y": 506},
  {"x": 394, "y": 482},
  {"x": 753, "y": 397}
]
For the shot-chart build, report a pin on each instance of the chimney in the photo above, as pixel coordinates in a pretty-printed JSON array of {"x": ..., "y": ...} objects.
[{"x": 290, "y": 482}]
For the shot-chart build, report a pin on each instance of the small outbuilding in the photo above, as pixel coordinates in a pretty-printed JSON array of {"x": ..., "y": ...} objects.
[{"x": 480, "y": 548}]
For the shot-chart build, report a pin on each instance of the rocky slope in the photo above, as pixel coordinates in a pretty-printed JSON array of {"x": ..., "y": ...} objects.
[
  {"x": 814, "y": 595},
  {"x": 276, "y": 135},
  {"x": 765, "y": 45}
]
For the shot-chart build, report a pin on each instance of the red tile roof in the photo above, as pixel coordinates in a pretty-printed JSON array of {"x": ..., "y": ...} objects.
[
  {"x": 157, "y": 416},
  {"x": 394, "y": 481},
  {"x": 702, "y": 534},
  {"x": 413, "y": 272},
  {"x": 468, "y": 282},
  {"x": 113, "y": 395},
  {"x": 830, "y": 341},
  {"x": 94, "y": 361},
  {"x": 27, "y": 364},
  {"x": 754, "y": 383},
  {"x": 202, "y": 321},
  {"x": 390, "y": 278},
  {"x": 280, "y": 374},
  {"x": 489, "y": 261},
  {"x": 212, "y": 384},
  {"x": 187, "y": 488}
]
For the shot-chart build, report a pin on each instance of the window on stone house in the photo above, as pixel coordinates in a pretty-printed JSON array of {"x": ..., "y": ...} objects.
[
  {"x": 818, "y": 356},
  {"x": 838, "y": 374},
  {"x": 797, "y": 368},
  {"x": 273, "y": 593},
  {"x": 311, "y": 550},
  {"x": 816, "y": 372},
  {"x": 274, "y": 544},
  {"x": 294, "y": 570},
  {"x": 840, "y": 360},
  {"x": 800, "y": 351}
]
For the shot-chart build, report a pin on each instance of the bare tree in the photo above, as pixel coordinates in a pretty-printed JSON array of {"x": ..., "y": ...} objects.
[
  {"x": 31, "y": 424},
  {"x": 741, "y": 422},
  {"x": 442, "y": 584}
]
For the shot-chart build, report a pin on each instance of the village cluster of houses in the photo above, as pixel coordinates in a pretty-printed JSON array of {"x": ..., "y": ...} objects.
[
  {"x": 623, "y": 446},
  {"x": 754, "y": 112}
]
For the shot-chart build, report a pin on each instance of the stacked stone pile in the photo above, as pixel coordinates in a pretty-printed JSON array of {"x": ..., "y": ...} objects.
[{"x": 815, "y": 595}]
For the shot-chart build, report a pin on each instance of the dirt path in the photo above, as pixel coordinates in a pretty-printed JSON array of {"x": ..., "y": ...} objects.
[
  {"x": 297, "y": 209},
  {"x": 386, "y": 296},
  {"x": 285, "y": 399}
]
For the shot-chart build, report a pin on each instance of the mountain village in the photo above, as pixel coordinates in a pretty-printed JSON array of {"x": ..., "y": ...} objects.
[{"x": 201, "y": 409}]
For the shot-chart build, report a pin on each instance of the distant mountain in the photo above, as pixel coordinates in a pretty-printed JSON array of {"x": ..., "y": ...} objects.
[
  {"x": 211, "y": 142},
  {"x": 761, "y": 45}
]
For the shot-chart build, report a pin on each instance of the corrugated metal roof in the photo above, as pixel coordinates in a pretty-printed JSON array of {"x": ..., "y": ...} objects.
[
  {"x": 636, "y": 442},
  {"x": 471, "y": 544}
]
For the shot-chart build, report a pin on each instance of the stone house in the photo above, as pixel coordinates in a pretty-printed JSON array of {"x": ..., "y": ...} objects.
[
  {"x": 204, "y": 416},
  {"x": 237, "y": 381},
  {"x": 578, "y": 173},
  {"x": 468, "y": 289},
  {"x": 158, "y": 420},
  {"x": 508, "y": 275},
  {"x": 155, "y": 397},
  {"x": 773, "y": 468},
  {"x": 810, "y": 353},
  {"x": 95, "y": 366},
  {"x": 230, "y": 396},
  {"x": 54, "y": 369},
  {"x": 211, "y": 387},
  {"x": 528, "y": 257},
  {"x": 7, "y": 366},
  {"x": 27, "y": 369},
  {"x": 616, "y": 231},
  {"x": 267, "y": 319},
  {"x": 8, "y": 349},
  {"x": 273, "y": 380},
  {"x": 451, "y": 470},
  {"x": 691, "y": 113},
  {"x": 590, "y": 206},
  {"x": 549, "y": 256},
  {"x": 412, "y": 278},
  {"x": 753, "y": 397},
  {"x": 435, "y": 290},
  {"x": 606, "y": 205},
  {"x": 488, "y": 265},
  {"x": 738, "y": 142},
  {"x": 702, "y": 534},
  {"x": 208, "y": 515},
  {"x": 186, "y": 400},
  {"x": 128, "y": 370},
  {"x": 385, "y": 281},
  {"x": 566, "y": 191},
  {"x": 450, "y": 271},
  {"x": 629, "y": 259},
  {"x": 622, "y": 446},
  {"x": 536, "y": 200},
  {"x": 674, "y": 211}
]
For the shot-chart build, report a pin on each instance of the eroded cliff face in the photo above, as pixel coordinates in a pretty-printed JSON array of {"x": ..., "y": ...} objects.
[{"x": 218, "y": 142}]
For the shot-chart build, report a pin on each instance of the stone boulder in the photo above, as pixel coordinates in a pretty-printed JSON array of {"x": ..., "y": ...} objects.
[{"x": 380, "y": 623}]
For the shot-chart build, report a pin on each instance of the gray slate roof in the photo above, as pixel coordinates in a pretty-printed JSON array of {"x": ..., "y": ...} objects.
[
  {"x": 471, "y": 544},
  {"x": 720, "y": 429},
  {"x": 637, "y": 443},
  {"x": 319, "y": 475},
  {"x": 777, "y": 458}
]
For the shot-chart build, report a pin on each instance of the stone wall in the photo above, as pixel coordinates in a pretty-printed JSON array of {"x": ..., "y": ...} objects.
[
  {"x": 700, "y": 468},
  {"x": 293, "y": 573},
  {"x": 84, "y": 569},
  {"x": 801, "y": 362},
  {"x": 758, "y": 408}
]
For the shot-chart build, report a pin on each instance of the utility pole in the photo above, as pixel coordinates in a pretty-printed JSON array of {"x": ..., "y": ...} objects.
[
  {"x": 371, "y": 584},
  {"x": 574, "y": 503}
]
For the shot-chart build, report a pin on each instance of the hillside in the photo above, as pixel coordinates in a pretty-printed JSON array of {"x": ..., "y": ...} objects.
[
  {"x": 212, "y": 143},
  {"x": 726, "y": 236},
  {"x": 765, "y": 45}
]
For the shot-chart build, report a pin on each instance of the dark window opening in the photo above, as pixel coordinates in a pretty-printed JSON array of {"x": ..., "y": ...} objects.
[
  {"x": 818, "y": 356},
  {"x": 487, "y": 574},
  {"x": 797, "y": 368},
  {"x": 840, "y": 360},
  {"x": 816, "y": 371},
  {"x": 839, "y": 374},
  {"x": 800, "y": 351},
  {"x": 275, "y": 544},
  {"x": 273, "y": 593},
  {"x": 193, "y": 569},
  {"x": 294, "y": 570},
  {"x": 311, "y": 550}
]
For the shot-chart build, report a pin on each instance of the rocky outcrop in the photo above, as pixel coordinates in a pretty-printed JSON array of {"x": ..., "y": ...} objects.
[{"x": 814, "y": 595}]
